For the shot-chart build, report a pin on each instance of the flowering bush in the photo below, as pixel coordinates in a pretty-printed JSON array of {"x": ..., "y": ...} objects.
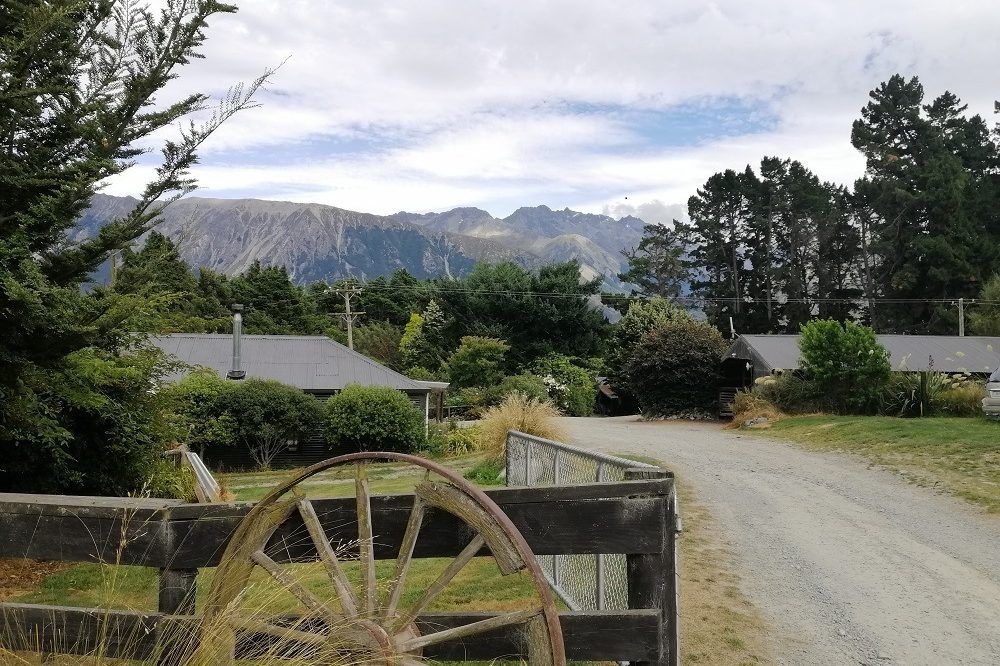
[{"x": 571, "y": 387}]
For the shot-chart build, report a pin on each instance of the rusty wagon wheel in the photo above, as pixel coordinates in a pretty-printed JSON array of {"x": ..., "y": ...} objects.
[{"x": 364, "y": 620}]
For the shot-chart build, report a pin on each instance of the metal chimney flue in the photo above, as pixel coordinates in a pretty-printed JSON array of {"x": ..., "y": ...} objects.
[{"x": 237, "y": 372}]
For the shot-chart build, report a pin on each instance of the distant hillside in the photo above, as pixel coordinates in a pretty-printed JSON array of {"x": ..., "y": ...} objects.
[
  {"x": 324, "y": 242},
  {"x": 596, "y": 241}
]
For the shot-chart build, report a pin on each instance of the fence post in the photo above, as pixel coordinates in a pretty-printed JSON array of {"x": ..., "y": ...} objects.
[
  {"x": 527, "y": 462},
  {"x": 652, "y": 578},
  {"x": 556, "y": 480},
  {"x": 178, "y": 588},
  {"x": 506, "y": 462}
]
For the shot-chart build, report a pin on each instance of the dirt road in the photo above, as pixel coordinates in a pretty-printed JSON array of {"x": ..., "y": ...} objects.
[{"x": 850, "y": 564}]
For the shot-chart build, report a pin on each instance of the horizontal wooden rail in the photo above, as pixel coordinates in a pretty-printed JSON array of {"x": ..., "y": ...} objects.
[
  {"x": 591, "y": 636},
  {"x": 592, "y": 518}
]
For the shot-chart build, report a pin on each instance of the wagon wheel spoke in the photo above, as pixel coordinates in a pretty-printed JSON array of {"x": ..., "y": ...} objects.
[
  {"x": 284, "y": 634},
  {"x": 310, "y": 600},
  {"x": 348, "y": 600},
  {"x": 366, "y": 545},
  {"x": 504, "y": 620},
  {"x": 442, "y": 581},
  {"x": 405, "y": 557}
]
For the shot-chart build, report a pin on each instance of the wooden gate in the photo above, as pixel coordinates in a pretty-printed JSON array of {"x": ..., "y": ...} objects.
[{"x": 634, "y": 518}]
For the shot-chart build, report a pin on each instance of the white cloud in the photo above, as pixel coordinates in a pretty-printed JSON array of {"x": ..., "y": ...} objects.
[{"x": 502, "y": 104}]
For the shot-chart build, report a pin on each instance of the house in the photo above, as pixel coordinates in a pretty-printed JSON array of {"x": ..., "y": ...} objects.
[
  {"x": 753, "y": 356},
  {"x": 314, "y": 364},
  {"x": 768, "y": 354}
]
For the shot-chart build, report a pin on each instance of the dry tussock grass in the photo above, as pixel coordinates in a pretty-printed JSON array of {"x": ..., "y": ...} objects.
[
  {"x": 748, "y": 406},
  {"x": 521, "y": 413}
]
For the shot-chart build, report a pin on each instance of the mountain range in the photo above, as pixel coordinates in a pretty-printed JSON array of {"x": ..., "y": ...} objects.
[{"x": 317, "y": 242}]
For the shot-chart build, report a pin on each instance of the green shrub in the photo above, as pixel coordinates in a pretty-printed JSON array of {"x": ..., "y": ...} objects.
[
  {"x": 269, "y": 417},
  {"x": 435, "y": 445},
  {"x": 526, "y": 383},
  {"x": 932, "y": 393},
  {"x": 641, "y": 318},
  {"x": 910, "y": 393},
  {"x": 446, "y": 439},
  {"x": 198, "y": 410},
  {"x": 847, "y": 362},
  {"x": 461, "y": 441},
  {"x": 104, "y": 433},
  {"x": 791, "y": 394},
  {"x": 373, "y": 418},
  {"x": 486, "y": 473},
  {"x": 676, "y": 368},
  {"x": 478, "y": 361},
  {"x": 474, "y": 398},
  {"x": 172, "y": 481},
  {"x": 572, "y": 388}
]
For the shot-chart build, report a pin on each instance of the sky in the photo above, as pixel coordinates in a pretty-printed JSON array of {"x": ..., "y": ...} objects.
[{"x": 600, "y": 106}]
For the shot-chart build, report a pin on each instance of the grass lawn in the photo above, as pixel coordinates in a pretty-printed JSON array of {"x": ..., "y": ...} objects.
[{"x": 957, "y": 455}]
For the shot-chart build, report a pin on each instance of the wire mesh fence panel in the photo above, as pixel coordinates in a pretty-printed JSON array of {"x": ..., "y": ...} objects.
[{"x": 583, "y": 582}]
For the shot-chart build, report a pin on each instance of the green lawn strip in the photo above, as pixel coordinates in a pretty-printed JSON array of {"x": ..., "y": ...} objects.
[
  {"x": 478, "y": 587},
  {"x": 959, "y": 455},
  {"x": 384, "y": 478}
]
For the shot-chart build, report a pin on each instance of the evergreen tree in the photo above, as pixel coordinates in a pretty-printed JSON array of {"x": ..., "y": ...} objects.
[
  {"x": 156, "y": 268},
  {"x": 78, "y": 101},
  {"x": 720, "y": 213},
  {"x": 274, "y": 304},
  {"x": 425, "y": 345},
  {"x": 656, "y": 265},
  {"x": 928, "y": 201},
  {"x": 773, "y": 250}
]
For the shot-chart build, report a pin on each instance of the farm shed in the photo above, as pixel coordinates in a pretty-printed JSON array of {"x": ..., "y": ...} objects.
[
  {"x": 315, "y": 364},
  {"x": 767, "y": 354}
]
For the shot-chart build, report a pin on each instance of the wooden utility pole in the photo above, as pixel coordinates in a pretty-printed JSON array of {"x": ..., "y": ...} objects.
[
  {"x": 961, "y": 316},
  {"x": 348, "y": 293}
]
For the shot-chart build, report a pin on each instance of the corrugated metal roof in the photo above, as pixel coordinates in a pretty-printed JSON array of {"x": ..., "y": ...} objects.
[
  {"x": 907, "y": 353},
  {"x": 311, "y": 363}
]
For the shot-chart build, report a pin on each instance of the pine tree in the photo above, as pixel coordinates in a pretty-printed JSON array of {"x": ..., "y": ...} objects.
[
  {"x": 656, "y": 265},
  {"x": 720, "y": 213},
  {"x": 79, "y": 85},
  {"x": 928, "y": 200}
]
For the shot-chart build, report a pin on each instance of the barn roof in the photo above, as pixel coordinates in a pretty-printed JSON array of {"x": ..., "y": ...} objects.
[
  {"x": 311, "y": 363},
  {"x": 907, "y": 353}
]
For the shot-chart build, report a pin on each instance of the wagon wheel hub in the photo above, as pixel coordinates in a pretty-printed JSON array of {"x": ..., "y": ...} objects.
[{"x": 373, "y": 644}]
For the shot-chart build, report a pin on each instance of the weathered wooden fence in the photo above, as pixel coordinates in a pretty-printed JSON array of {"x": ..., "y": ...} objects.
[
  {"x": 633, "y": 518},
  {"x": 590, "y": 582}
]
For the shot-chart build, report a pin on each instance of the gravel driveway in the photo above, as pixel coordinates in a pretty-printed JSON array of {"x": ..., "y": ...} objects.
[{"x": 849, "y": 564}]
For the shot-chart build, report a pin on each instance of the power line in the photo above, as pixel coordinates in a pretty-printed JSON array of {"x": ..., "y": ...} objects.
[{"x": 859, "y": 300}]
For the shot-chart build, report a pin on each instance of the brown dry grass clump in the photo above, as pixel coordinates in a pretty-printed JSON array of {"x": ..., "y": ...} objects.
[
  {"x": 748, "y": 406},
  {"x": 521, "y": 413}
]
